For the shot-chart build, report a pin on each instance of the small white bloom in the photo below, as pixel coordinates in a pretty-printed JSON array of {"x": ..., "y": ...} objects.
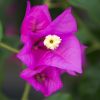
[{"x": 52, "y": 41}]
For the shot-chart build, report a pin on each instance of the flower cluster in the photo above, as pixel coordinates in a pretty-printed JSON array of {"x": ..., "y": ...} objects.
[{"x": 50, "y": 48}]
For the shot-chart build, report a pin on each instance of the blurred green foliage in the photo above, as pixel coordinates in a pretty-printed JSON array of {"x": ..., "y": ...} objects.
[
  {"x": 60, "y": 96},
  {"x": 92, "y": 7},
  {"x": 1, "y": 31},
  {"x": 3, "y": 97},
  {"x": 87, "y": 13}
]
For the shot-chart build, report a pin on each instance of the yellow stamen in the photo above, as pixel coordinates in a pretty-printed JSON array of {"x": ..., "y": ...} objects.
[{"x": 52, "y": 41}]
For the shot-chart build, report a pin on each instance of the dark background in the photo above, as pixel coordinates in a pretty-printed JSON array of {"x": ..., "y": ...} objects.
[{"x": 83, "y": 87}]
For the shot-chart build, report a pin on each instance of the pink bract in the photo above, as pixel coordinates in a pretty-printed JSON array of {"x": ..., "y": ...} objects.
[
  {"x": 46, "y": 80},
  {"x": 68, "y": 57},
  {"x": 36, "y": 19}
]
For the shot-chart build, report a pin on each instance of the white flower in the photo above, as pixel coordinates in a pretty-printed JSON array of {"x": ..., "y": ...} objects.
[{"x": 52, "y": 41}]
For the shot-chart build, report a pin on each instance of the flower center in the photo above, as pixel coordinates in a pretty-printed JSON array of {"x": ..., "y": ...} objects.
[
  {"x": 52, "y": 41},
  {"x": 40, "y": 77}
]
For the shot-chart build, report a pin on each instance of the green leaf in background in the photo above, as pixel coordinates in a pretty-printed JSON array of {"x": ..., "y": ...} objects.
[
  {"x": 23, "y": 66},
  {"x": 83, "y": 32},
  {"x": 3, "y": 97},
  {"x": 60, "y": 96},
  {"x": 91, "y": 6},
  {"x": 1, "y": 31}
]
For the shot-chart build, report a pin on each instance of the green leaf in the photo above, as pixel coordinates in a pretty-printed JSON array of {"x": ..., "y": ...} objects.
[
  {"x": 3, "y": 97},
  {"x": 23, "y": 66},
  {"x": 60, "y": 96},
  {"x": 1, "y": 31},
  {"x": 91, "y": 6},
  {"x": 83, "y": 33}
]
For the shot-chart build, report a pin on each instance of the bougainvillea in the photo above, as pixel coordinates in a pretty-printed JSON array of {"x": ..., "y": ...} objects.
[
  {"x": 44, "y": 79},
  {"x": 52, "y": 44}
]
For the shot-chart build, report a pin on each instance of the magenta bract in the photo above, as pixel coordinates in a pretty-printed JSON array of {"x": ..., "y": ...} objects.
[
  {"x": 68, "y": 56},
  {"x": 46, "y": 80}
]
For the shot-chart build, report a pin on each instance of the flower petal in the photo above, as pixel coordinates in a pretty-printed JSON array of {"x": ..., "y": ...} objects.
[
  {"x": 53, "y": 83},
  {"x": 72, "y": 73},
  {"x": 26, "y": 55},
  {"x": 27, "y": 73},
  {"x": 49, "y": 86},
  {"x": 67, "y": 56},
  {"x": 83, "y": 49},
  {"x": 28, "y": 8},
  {"x": 33, "y": 22},
  {"x": 30, "y": 55},
  {"x": 63, "y": 24}
]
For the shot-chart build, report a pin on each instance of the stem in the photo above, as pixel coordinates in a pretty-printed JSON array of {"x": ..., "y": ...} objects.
[
  {"x": 48, "y": 2},
  {"x": 8, "y": 47},
  {"x": 27, "y": 87},
  {"x": 26, "y": 92}
]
